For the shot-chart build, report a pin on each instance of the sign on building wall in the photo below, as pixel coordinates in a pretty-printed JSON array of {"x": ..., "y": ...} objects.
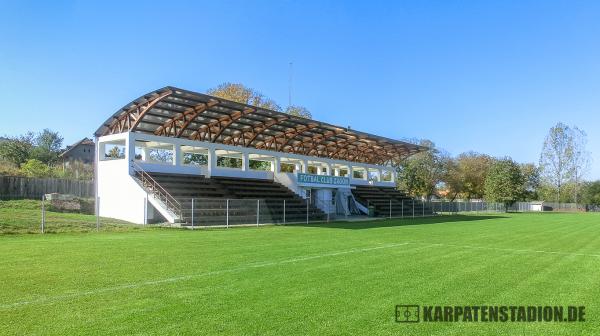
[{"x": 322, "y": 179}]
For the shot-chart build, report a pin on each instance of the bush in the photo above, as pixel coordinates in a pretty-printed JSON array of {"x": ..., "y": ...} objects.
[{"x": 35, "y": 168}]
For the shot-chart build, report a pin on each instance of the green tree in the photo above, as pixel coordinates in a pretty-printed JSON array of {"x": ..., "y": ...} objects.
[
  {"x": 47, "y": 146},
  {"x": 504, "y": 182},
  {"x": 466, "y": 175},
  {"x": 531, "y": 176},
  {"x": 591, "y": 193},
  {"x": 422, "y": 173},
  {"x": 17, "y": 150},
  {"x": 454, "y": 179},
  {"x": 36, "y": 168}
]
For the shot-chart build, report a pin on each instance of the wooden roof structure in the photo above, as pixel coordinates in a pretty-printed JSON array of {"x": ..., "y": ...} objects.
[{"x": 179, "y": 113}]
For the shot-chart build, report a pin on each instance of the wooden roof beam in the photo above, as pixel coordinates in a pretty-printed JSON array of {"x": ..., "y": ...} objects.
[
  {"x": 177, "y": 125},
  {"x": 132, "y": 117}
]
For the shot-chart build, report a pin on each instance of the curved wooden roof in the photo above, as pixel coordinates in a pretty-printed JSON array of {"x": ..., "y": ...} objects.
[{"x": 180, "y": 113}]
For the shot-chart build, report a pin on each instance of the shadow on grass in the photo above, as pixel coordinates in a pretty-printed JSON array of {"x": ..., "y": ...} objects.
[{"x": 381, "y": 223}]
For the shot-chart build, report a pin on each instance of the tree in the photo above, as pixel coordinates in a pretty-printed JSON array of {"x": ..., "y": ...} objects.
[
  {"x": 532, "y": 181},
  {"x": 581, "y": 160},
  {"x": 245, "y": 95},
  {"x": 116, "y": 153},
  {"x": 591, "y": 193},
  {"x": 454, "y": 179},
  {"x": 17, "y": 150},
  {"x": 564, "y": 158},
  {"x": 298, "y": 111},
  {"x": 504, "y": 182},
  {"x": 47, "y": 146},
  {"x": 421, "y": 174},
  {"x": 466, "y": 175}
]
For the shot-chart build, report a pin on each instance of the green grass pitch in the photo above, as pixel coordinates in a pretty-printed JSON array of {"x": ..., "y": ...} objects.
[{"x": 327, "y": 279}]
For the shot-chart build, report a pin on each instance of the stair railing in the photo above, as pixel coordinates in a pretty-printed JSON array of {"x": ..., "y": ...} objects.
[{"x": 156, "y": 189}]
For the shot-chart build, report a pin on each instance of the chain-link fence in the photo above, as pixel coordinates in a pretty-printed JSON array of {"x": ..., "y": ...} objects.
[
  {"x": 54, "y": 215},
  {"x": 206, "y": 212}
]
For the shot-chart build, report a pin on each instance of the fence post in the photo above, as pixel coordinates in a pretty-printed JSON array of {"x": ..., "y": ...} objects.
[
  {"x": 403, "y": 208},
  {"x": 284, "y": 211},
  {"x": 390, "y": 208},
  {"x": 227, "y": 211},
  {"x": 43, "y": 212},
  {"x": 192, "y": 213},
  {"x": 307, "y": 211},
  {"x": 257, "y": 211},
  {"x": 423, "y": 209},
  {"x": 413, "y": 207},
  {"x": 98, "y": 214}
]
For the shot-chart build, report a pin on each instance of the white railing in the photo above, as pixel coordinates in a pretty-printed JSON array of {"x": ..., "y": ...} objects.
[{"x": 154, "y": 188}]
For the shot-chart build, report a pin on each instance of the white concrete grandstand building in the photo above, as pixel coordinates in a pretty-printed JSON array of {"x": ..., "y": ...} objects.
[{"x": 185, "y": 157}]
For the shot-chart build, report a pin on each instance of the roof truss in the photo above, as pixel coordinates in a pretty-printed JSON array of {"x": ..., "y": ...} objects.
[{"x": 179, "y": 113}]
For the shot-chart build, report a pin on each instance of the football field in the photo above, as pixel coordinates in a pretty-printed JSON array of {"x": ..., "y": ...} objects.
[{"x": 320, "y": 279}]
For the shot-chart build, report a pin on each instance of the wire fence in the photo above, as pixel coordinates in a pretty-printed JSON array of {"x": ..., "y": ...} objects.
[
  {"x": 204, "y": 212},
  {"x": 43, "y": 216},
  {"x": 52, "y": 215}
]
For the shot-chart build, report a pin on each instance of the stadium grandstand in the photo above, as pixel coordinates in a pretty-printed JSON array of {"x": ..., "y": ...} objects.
[{"x": 184, "y": 157}]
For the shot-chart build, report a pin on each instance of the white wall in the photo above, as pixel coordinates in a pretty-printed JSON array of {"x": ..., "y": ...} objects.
[
  {"x": 211, "y": 169},
  {"x": 119, "y": 195},
  {"x": 290, "y": 180}
]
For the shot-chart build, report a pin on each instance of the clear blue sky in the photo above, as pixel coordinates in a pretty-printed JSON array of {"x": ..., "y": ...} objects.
[{"x": 492, "y": 77}]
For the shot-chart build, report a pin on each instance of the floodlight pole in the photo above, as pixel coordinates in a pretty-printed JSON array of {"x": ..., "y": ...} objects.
[{"x": 227, "y": 210}]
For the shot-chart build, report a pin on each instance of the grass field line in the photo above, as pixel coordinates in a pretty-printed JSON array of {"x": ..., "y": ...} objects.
[
  {"x": 510, "y": 250},
  {"x": 50, "y": 299}
]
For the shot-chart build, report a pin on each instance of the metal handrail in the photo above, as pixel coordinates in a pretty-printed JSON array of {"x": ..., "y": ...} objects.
[{"x": 156, "y": 189}]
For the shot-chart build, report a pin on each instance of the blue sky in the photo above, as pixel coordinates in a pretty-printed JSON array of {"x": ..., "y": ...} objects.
[{"x": 492, "y": 77}]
